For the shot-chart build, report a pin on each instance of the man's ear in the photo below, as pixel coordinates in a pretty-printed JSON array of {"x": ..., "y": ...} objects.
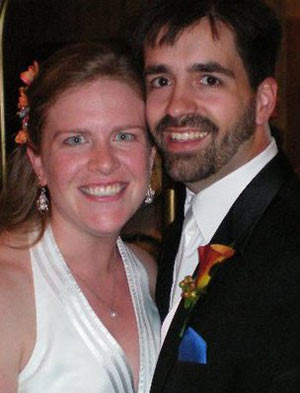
[
  {"x": 265, "y": 100},
  {"x": 37, "y": 165}
]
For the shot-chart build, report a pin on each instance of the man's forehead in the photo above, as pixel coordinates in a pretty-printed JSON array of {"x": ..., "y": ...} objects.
[
  {"x": 200, "y": 42},
  {"x": 168, "y": 36}
]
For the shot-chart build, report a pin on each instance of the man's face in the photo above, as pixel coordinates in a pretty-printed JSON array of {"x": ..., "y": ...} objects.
[{"x": 200, "y": 107}]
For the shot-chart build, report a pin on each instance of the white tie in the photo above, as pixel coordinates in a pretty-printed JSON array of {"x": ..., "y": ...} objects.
[
  {"x": 190, "y": 233},
  {"x": 185, "y": 263}
]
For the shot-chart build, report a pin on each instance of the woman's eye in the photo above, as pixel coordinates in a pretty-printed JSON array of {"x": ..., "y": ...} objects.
[
  {"x": 210, "y": 80},
  {"x": 159, "y": 82},
  {"x": 75, "y": 140},
  {"x": 124, "y": 137}
]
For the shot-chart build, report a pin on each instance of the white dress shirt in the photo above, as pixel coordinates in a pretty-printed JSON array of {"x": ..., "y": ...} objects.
[{"x": 204, "y": 213}]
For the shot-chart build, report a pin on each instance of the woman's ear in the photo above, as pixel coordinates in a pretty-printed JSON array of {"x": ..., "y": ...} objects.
[
  {"x": 266, "y": 97},
  {"x": 37, "y": 165}
]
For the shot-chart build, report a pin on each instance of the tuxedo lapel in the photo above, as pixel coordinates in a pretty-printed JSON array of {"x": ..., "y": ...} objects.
[
  {"x": 167, "y": 258},
  {"x": 165, "y": 267},
  {"x": 238, "y": 224}
]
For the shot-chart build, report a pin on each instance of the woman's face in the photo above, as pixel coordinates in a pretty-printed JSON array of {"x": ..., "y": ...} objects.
[{"x": 95, "y": 157}]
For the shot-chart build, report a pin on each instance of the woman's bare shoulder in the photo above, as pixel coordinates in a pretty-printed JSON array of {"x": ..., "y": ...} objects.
[
  {"x": 149, "y": 263},
  {"x": 14, "y": 262},
  {"x": 17, "y": 304},
  {"x": 15, "y": 277}
]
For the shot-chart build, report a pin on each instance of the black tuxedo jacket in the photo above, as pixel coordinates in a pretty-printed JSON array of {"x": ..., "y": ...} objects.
[{"x": 250, "y": 316}]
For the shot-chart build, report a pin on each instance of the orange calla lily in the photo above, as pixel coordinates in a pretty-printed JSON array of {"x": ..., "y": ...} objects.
[
  {"x": 210, "y": 255},
  {"x": 192, "y": 289}
]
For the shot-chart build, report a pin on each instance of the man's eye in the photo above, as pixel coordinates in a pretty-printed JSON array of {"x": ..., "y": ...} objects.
[
  {"x": 210, "y": 80},
  {"x": 159, "y": 82},
  {"x": 124, "y": 137},
  {"x": 75, "y": 140}
]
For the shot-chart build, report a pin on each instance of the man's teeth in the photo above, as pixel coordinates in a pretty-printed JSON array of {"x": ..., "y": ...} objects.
[
  {"x": 100, "y": 191},
  {"x": 188, "y": 136}
]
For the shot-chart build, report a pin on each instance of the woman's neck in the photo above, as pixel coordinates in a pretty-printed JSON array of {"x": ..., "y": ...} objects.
[{"x": 84, "y": 251}]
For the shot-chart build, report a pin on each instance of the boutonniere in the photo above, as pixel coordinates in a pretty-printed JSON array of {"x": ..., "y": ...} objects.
[{"x": 192, "y": 288}]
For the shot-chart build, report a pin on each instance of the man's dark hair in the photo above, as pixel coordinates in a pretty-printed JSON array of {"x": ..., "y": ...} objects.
[{"x": 256, "y": 29}]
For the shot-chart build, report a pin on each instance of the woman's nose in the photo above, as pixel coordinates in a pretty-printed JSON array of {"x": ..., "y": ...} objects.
[{"x": 103, "y": 159}]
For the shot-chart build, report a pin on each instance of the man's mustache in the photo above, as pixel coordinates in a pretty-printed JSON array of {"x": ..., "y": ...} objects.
[{"x": 189, "y": 120}]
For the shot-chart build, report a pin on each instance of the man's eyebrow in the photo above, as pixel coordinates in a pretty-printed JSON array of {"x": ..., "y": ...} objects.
[
  {"x": 155, "y": 69},
  {"x": 211, "y": 67}
]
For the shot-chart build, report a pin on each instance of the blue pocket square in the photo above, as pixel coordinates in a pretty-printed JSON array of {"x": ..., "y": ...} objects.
[{"x": 192, "y": 348}]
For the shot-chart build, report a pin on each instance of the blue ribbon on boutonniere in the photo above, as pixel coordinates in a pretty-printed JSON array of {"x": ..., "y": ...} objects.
[{"x": 192, "y": 288}]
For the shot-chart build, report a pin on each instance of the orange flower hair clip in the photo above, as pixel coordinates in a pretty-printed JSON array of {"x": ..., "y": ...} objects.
[{"x": 27, "y": 77}]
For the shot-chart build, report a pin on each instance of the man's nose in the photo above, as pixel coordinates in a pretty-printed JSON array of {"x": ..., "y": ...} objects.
[{"x": 181, "y": 101}]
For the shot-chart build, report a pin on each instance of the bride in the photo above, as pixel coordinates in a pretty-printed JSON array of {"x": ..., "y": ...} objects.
[{"x": 76, "y": 304}]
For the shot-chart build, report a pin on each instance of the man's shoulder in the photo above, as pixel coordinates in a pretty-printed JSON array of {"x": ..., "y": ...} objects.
[
  {"x": 284, "y": 210},
  {"x": 289, "y": 196},
  {"x": 277, "y": 233},
  {"x": 278, "y": 184}
]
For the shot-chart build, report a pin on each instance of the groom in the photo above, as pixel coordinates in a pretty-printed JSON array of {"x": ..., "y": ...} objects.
[{"x": 209, "y": 68}]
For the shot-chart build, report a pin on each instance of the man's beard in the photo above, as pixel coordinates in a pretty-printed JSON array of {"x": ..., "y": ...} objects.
[{"x": 194, "y": 166}]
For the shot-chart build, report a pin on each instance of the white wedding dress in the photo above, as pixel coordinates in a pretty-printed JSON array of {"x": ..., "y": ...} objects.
[{"x": 74, "y": 352}]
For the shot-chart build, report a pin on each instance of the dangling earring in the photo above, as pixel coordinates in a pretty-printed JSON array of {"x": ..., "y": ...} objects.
[
  {"x": 42, "y": 203},
  {"x": 149, "y": 195}
]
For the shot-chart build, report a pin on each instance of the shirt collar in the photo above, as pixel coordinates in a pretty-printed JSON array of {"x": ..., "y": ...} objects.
[{"x": 211, "y": 205}]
